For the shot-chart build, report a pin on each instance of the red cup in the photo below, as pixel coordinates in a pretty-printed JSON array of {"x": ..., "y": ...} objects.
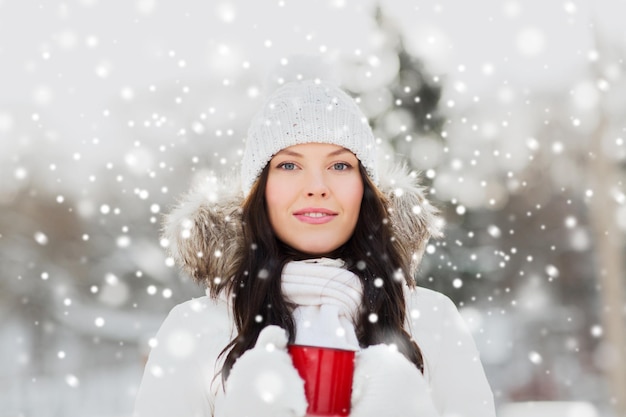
[{"x": 327, "y": 375}]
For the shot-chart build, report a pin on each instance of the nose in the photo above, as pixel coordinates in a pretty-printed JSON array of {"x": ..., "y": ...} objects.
[{"x": 316, "y": 185}]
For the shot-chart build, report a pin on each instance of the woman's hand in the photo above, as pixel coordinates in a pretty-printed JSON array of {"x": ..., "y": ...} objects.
[
  {"x": 263, "y": 381},
  {"x": 387, "y": 384}
]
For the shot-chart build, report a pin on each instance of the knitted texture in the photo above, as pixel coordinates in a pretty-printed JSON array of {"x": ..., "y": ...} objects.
[{"x": 307, "y": 111}]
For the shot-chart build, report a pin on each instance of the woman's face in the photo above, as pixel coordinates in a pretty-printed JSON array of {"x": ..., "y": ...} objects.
[{"x": 313, "y": 195}]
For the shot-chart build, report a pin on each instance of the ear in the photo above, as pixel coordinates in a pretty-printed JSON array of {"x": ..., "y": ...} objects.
[
  {"x": 415, "y": 220},
  {"x": 204, "y": 230}
]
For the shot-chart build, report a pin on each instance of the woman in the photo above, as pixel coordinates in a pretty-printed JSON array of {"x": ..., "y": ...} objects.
[{"x": 316, "y": 247}]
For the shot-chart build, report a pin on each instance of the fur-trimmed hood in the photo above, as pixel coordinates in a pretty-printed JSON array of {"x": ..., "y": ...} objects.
[{"x": 204, "y": 229}]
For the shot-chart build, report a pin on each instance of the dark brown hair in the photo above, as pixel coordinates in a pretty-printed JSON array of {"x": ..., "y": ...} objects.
[{"x": 370, "y": 253}]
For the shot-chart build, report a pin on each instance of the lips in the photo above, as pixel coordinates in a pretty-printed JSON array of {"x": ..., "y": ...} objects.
[{"x": 315, "y": 215}]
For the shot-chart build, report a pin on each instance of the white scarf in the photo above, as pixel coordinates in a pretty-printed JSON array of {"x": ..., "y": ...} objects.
[{"x": 328, "y": 298}]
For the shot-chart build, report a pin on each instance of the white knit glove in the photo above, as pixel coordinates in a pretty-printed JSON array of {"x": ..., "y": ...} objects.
[
  {"x": 387, "y": 384},
  {"x": 263, "y": 381}
]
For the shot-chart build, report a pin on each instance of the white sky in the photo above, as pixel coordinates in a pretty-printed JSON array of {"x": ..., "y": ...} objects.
[{"x": 69, "y": 59}]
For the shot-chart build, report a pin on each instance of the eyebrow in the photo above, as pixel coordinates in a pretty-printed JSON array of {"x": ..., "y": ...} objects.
[{"x": 296, "y": 154}]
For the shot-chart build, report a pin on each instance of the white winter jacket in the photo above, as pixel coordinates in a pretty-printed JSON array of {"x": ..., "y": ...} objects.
[{"x": 179, "y": 377}]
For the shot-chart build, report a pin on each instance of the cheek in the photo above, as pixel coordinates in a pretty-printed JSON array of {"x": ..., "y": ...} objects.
[
  {"x": 276, "y": 198},
  {"x": 271, "y": 209},
  {"x": 273, "y": 191},
  {"x": 352, "y": 195}
]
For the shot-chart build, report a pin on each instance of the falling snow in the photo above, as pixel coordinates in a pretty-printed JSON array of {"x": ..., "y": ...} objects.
[{"x": 515, "y": 127}]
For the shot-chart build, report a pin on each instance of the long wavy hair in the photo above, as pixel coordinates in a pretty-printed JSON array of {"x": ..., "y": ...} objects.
[{"x": 370, "y": 253}]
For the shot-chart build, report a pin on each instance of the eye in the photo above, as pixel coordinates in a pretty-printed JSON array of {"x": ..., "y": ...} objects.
[
  {"x": 288, "y": 166},
  {"x": 341, "y": 166}
]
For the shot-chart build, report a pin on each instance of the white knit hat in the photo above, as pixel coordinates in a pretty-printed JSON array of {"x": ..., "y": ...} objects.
[{"x": 307, "y": 111}]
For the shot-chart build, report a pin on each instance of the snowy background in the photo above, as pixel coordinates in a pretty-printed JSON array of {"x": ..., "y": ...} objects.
[{"x": 513, "y": 111}]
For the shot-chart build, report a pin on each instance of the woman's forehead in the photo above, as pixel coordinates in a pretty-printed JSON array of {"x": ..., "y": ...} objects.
[{"x": 303, "y": 149}]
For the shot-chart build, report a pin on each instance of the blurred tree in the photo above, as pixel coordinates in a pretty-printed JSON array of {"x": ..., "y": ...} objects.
[
  {"x": 409, "y": 118},
  {"x": 604, "y": 172},
  {"x": 517, "y": 233},
  {"x": 414, "y": 91}
]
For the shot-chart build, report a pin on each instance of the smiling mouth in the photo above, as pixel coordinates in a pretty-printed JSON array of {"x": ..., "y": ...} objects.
[{"x": 315, "y": 214}]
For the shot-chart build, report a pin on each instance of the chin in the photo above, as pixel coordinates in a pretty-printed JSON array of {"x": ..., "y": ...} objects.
[
  {"x": 312, "y": 249},
  {"x": 317, "y": 250},
  {"x": 316, "y": 246}
]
